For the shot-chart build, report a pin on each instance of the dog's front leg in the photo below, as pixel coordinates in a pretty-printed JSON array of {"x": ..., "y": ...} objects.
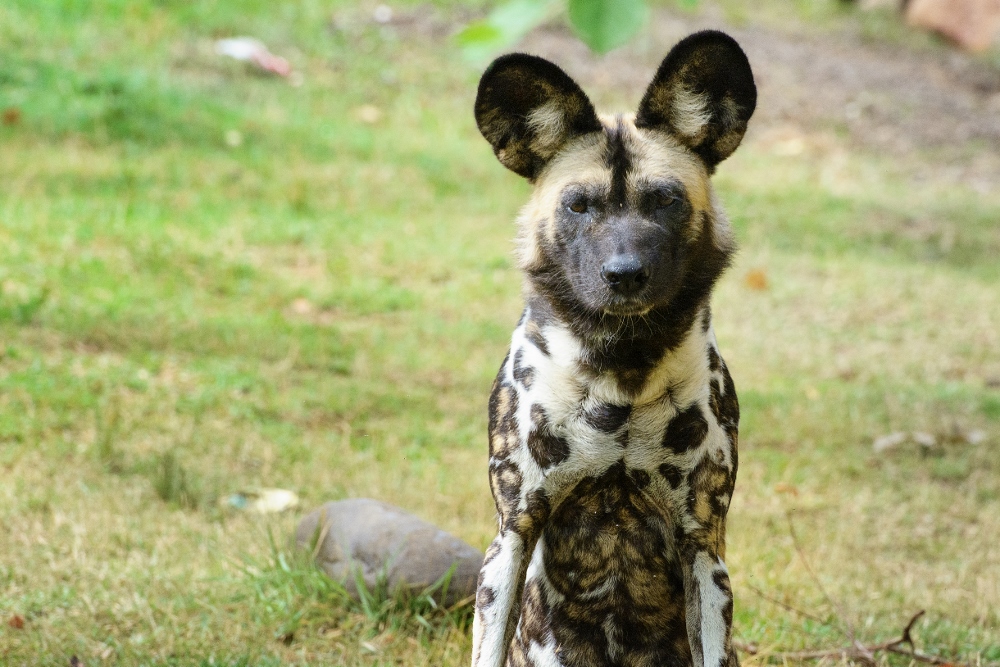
[
  {"x": 498, "y": 597},
  {"x": 709, "y": 609}
]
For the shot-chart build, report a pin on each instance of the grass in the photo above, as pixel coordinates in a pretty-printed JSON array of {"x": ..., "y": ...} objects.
[{"x": 322, "y": 308}]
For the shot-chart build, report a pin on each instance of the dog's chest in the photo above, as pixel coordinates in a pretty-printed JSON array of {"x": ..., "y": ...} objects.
[{"x": 594, "y": 423}]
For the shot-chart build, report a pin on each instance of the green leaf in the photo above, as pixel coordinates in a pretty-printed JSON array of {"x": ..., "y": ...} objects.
[
  {"x": 505, "y": 25},
  {"x": 606, "y": 24},
  {"x": 479, "y": 32}
]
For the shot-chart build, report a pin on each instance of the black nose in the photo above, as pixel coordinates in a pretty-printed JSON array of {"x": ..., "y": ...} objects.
[{"x": 625, "y": 274}]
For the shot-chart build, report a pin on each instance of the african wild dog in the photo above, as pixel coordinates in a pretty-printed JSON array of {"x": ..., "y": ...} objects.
[{"x": 613, "y": 420}]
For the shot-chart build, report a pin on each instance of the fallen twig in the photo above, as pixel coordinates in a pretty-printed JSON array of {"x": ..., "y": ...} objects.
[
  {"x": 863, "y": 653},
  {"x": 787, "y": 606}
]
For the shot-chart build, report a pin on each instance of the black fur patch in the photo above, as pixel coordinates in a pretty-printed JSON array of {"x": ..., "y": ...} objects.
[
  {"x": 721, "y": 580},
  {"x": 536, "y": 513},
  {"x": 547, "y": 449},
  {"x": 505, "y": 482},
  {"x": 672, "y": 474},
  {"x": 503, "y": 427},
  {"x": 485, "y": 597},
  {"x": 492, "y": 552},
  {"x": 714, "y": 362},
  {"x": 523, "y": 374},
  {"x": 725, "y": 405},
  {"x": 608, "y": 418},
  {"x": 686, "y": 431},
  {"x": 533, "y": 332},
  {"x": 706, "y": 319},
  {"x": 639, "y": 477}
]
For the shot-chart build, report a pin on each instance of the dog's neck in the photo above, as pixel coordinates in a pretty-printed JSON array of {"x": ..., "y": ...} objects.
[{"x": 643, "y": 355}]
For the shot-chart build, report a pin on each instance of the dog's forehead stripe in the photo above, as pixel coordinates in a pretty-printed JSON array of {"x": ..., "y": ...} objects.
[{"x": 618, "y": 158}]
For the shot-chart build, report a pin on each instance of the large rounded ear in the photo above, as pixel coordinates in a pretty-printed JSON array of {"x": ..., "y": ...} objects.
[
  {"x": 527, "y": 108},
  {"x": 703, "y": 94}
]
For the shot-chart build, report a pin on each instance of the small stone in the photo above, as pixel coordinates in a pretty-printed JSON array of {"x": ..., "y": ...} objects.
[
  {"x": 382, "y": 14},
  {"x": 377, "y": 540},
  {"x": 975, "y": 437},
  {"x": 924, "y": 439},
  {"x": 887, "y": 442}
]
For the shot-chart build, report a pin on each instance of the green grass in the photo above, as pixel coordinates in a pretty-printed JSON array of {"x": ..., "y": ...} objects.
[{"x": 323, "y": 306}]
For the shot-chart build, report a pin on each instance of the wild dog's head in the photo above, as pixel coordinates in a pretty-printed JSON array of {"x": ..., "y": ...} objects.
[{"x": 622, "y": 222}]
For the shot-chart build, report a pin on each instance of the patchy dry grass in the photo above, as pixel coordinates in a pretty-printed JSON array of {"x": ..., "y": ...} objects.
[{"x": 322, "y": 308}]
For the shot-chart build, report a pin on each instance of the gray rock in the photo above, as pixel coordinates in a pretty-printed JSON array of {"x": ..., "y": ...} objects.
[{"x": 376, "y": 539}]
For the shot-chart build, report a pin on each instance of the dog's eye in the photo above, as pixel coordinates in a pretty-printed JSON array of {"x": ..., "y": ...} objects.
[
  {"x": 578, "y": 206},
  {"x": 664, "y": 200}
]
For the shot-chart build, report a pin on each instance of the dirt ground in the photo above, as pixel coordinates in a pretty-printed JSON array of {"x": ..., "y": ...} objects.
[{"x": 936, "y": 109}]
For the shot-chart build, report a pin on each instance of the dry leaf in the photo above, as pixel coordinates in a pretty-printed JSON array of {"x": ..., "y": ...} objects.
[
  {"x": 756, "y": 279},
  {"x": 11, "y": 116},
  {"x": 368, "y": 113},
  {"x": 302, "y": 306},
  {"x": 16, "y": 622},
  {"x": 791, "y": 489}
]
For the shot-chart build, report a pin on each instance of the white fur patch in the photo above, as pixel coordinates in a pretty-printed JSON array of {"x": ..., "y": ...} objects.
[
  {"x": 613, "y": 634},
  {"x": 544, "y": 655},
  {"x": 549, "y": 125},
  {"x": 714, "y": 631},
  {"x": 690, "y": 113},
  {"x": 683, "y": 372},
  {"x": 489, "y": 626}
]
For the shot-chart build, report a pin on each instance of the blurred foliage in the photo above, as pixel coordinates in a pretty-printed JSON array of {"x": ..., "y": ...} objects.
[
  {"x": 605, "y": 24},
  {"x": 602, "y": 24}
]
